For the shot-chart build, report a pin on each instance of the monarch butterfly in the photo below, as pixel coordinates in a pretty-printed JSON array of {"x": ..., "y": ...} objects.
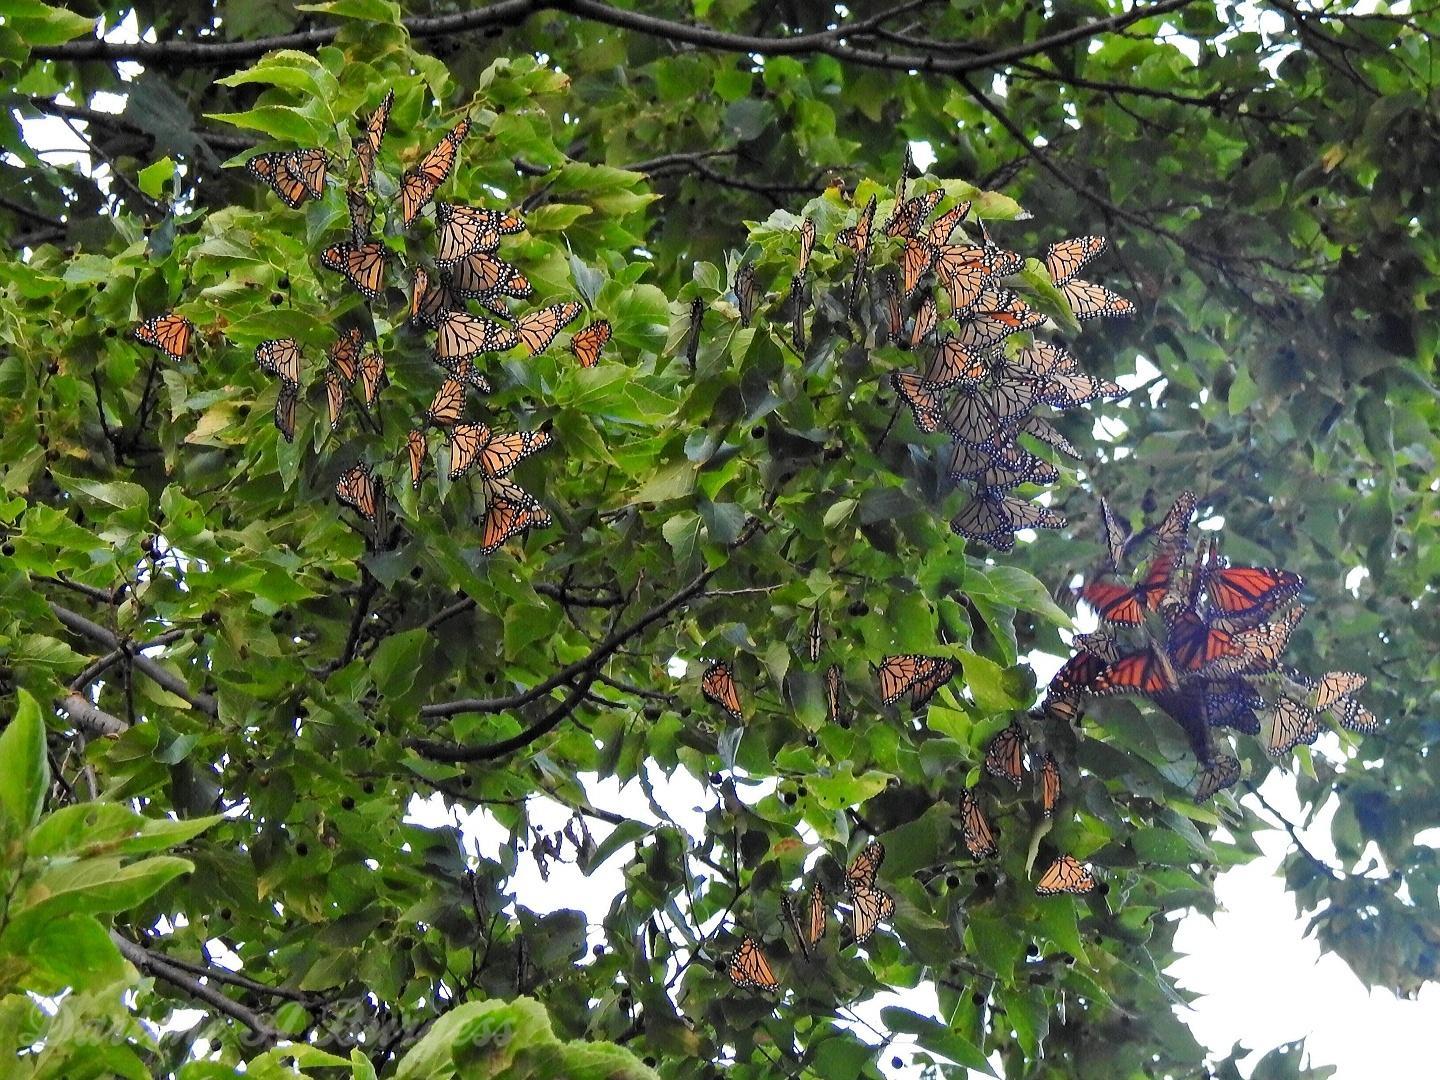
[
  {"x": 869, "y": 905},
  {"x": 294, "y": 175},
  {"x": 994, "y": 316},
  {"x": 1067, "y": 258},
  {"x": 1100, "y": 643},
  {"x": 1046, "y": 433},
  {"x": 1216, "y": 776},
  {"x": 1005, "y": 755},
  {"x": 334, "y": 394},
  {"x": 692, "y": 335},
  {"x": 372, "y": 134},
  {"x": 359, "y": 488},
  {"x": 927, "y": 686},
  {"x": 869, "y": 908},
  {"x": 1174, "y": 528},
  {"x": 1049, "y": 785},
  {"x": 993, "y": 518},
  {"x": 281, "y": 357},
  {"x": 797, "y": 316},
  {"x": 1114, "y": 602},
  {"x": 362, "y": 264},
  {"x": 170, "y": 333},
  {"x": 509, "y": 511},
  {"x": 1063, "y": 708},
  {"x": 946, "y": 223},
  {"x": 1011, "y": 394},
  {"x": 920, "y": 394},
  {"x": 372, "y": 375},
  {"x": 538, "y": 329},
  {"x": 1333, "y": 686},
  {"x": 462, "y": 336},
  {"x": 344, "y": 354},
  {"x": 717, "y": 683},
  {"x": 1355, "y": 716},
  {"x": 1041, "y": 360},
  {"x": 1260, "y": 646},
  {"x": 589, "y": 343},
  {"x": 1010, "y": 466},
  {"x": 1066, "y": 875},
  {"x": 415, "y": 447},
  {"x": 926, "y": 318},
  {"x": 861, "y": 872},
  {"x": 1230, "y": 703},
  {"x": 483, "y": 277},
  {"x": 466, "y": 373},
  {"x": 834, "y": 684},
  {"x": 910, "y": 214},
  {"x": 807, "y": 246},
  {"x": 1145, "y": 672},
  {"x": 916, "y": 259},
  {"x": 1193, "y": 643},
  {"x": 1117, "y": 535},
  {"x": 894, "y": 309},
  {"x": 857, "y": 237},
  {"x": 815, "y": 639},
  {"x": 898, "y": 674},
  {"x": 498, "y": 454},
  {"x": 362, "y": 215},
  {"x": 975, "y": 830},
  {"x": 749, "y": 969},
  {"x": 972, "y": 418},
  {"x": 966, "y": 271},
  {"x": 1078, "y": 673},
  {"x": 430, "y": 300},
  {"x": 1069, "y": 390},
  {"x": 1247, "y": 592},
  {"x": 812, "y": 929},
  {"x": 448, "y": 405},
  {"x": 286, "y": 404},
  {"x": 465, "y": 230},
  {"x": 1291, "y": 724},
  {"x": 954, "y": 363},
  {"x": 1090, "y": 301},
  {"x": 418, "y": 185},
  {"x": 747, "y": 293}
]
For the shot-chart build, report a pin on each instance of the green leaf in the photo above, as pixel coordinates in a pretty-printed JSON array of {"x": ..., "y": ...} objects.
[
  {"x": 38, "y": 24},
  {"x": 24, "y": 770},
  {"x": 936, "y": 1038},
  {"x": 154, "y": 178},
  {"x": 396, "y": 662}
]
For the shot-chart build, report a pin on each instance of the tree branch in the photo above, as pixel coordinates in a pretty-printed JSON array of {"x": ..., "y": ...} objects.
[
  {"x": 590, "y": 662},
  {"x": 833, "y": 42},
  {"x": 89, "y": 718},
  {"x": 445, "y": 751},
  {"x": 153, "y": 671},
  {"x": 161, "y": 968}
]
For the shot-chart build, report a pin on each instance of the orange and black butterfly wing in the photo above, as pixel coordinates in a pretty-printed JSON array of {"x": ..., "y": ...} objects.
[
  {"x": 927, "y": 686},
  {"x": 274, "y": 169},
  {"x": 467, "y": 441},
  {"x": 362, "y": 264},
  {"x": 1090, "y": 301},
  {"x": 334, "y": 394},
  {"x": 1146, "y": 672},
  {"x": 280, "y": 357},
  {"x": 975, "y": 829},
  {"x": 372, "y": 376},
  {"x": 1216, "y": 776},
  {"x": 1066, "y": 875},
  {"x": 587, "y": 344},
  {"x": 448, "y": 405},
  {"x": 718, "y": 684},
  {"x": 415, "y": 449},
  {"x": 1049, "y": 785},
  {"x": 862, "y": 251},
  {"x": 815, "y": 913},
  {"x": 1248, "y": 591},
  {"x": 462, "y": 336},
  {"x": 925, "y": 403},
  {"x": 344, "y": 355},
  {"x": 1005, "y": 755},
  {"x": 501, "y": 453},
  {"x": 869, "y": 908},
  {"x": 747, "y": 293},
  {"x": 749, "y": 969},
  {"x": 170, "y": 333},
  {"x": 372, "y": 135},
  {"x": 897, "y": 674},
  {"x": 538, "y": 329},
  {"x": 1291, "y": 724},
  {"x": 509, "y": 511},
  {"x": 1067, "y": 258},
  {"x": 286, "y": 405},
  {"x": 1113, "y": 602}
]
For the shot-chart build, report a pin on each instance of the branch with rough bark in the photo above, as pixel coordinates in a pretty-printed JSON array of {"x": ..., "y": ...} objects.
[
  {"x": 850, "y": 41},
  {"x": 162, "y": 677},
  {"x": 161, "y": 968}
]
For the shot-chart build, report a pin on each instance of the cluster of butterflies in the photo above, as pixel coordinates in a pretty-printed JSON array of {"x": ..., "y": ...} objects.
[
  {"x": 466, "y": 267},
  {"x": 1204, "y": 641},
  {"x": 983, "y": 394}
]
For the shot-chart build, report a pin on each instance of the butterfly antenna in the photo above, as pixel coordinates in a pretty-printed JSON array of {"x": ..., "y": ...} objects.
[{"x": 894, "y": 415}]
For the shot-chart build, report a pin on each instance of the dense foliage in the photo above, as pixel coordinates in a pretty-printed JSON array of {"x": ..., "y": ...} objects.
[{"x": 224, "y": 691}]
